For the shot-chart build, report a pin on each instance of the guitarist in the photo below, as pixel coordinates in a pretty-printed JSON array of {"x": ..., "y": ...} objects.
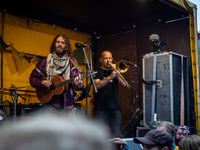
[{"x": 57, "y": 63}]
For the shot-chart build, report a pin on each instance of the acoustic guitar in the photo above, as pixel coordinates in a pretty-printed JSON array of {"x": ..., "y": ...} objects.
[{"x": 58, "y": 86}]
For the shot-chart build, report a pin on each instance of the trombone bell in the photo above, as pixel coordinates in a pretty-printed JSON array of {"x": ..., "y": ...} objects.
[{"x": 121, "y": 66}]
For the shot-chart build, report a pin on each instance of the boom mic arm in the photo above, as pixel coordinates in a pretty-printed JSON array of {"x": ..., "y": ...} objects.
[{"x": 78, "y": 45}]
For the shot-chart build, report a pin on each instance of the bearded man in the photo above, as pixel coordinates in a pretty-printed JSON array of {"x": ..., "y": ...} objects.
[{"x": 57, "y": 63}]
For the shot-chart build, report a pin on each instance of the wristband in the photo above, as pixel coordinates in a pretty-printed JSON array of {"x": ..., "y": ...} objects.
[{"x": 126, "y": 148}]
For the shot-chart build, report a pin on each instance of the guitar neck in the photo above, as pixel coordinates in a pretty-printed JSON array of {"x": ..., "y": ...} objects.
[{"x": 63, "y": 83}]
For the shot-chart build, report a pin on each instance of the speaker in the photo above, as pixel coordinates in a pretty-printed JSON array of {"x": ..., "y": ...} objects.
[
  {"x": 165, "y": 88},
  {"x": 141, "y": 131}
]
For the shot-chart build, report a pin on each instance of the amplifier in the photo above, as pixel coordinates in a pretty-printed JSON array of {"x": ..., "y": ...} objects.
[
  {"x": 141, "y": 131},
  {"x": 165, "y": 97}
]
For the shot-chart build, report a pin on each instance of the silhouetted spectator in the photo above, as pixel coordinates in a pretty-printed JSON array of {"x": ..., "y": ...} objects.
[{"x": 191, "y": 142}]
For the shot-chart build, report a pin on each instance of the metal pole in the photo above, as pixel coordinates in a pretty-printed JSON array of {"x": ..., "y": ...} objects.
[
  {"x": 2, "y": 56},
  {"x": 86, "y": 105},
  {"x": 133, "y": 99}
]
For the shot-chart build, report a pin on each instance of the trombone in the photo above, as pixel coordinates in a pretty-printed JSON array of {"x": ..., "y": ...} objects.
[{"x": 121, "y": 67}]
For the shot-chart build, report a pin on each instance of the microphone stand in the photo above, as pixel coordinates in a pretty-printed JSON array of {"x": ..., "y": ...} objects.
[
  {"x": 15, "y": 97},
  {"x": 86, "y": 92},
  {"x": 88, "y": 68},
  {"x": 15, "y": 94},
  {"x": 132, "y": 96},
  {"x": 133, "y": 99}
]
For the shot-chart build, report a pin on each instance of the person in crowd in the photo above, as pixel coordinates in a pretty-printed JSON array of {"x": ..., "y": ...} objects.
[
  {"x": 161, "y": 125},
  {"x": 155, "y": 140},
  {"x": 49, "y": 132},
  {"x": 182, "y": 132},
  {"x": 57, "y": 67},
  {"x": 191, "y": 142},
  {"x": 166, "y": 126},
  {"x": 169, "y": 127},
  {"x": 107, "y": 107}
]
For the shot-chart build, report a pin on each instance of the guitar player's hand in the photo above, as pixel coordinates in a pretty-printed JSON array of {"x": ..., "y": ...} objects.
[
  {"x": 46, "y": 83},
  {"x": 78, "y": 81}
]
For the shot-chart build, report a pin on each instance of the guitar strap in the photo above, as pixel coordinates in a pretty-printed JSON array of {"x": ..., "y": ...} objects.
[
  {"x": 77, "y": 67},
  {"x": 41, "y": 72}
]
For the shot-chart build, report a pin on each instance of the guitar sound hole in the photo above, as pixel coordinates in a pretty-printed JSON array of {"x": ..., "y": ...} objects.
[{"x": 52, "y": 87}]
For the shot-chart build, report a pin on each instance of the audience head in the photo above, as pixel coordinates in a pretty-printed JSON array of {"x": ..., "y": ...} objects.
[
  {"x": 191, "y": 142},
  {"x": 156, "y": 139},
  {"x": 182, "y": 132},
  {"x": 166, "y": 126},
  {"x": 48, "y": 132}
]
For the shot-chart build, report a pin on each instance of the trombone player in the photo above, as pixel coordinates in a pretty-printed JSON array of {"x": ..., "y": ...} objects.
[{"x": 107, "y": 107}]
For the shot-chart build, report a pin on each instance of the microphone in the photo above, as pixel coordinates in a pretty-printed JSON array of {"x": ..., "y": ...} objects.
[
  {"x": 130, "y": 63},
  {"x": 154, "y": 38},
  {"x": 78, "y": 45}
]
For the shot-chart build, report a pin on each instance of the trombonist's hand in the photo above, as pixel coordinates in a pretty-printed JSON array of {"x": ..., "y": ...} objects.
[
  {"x": 116, "y": 73},
  {"x": 113, "y": 74},
  {"x": 113, "y": 66}
]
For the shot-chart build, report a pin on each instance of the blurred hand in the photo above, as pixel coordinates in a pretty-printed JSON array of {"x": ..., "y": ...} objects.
[
  {"x": 113, "y": 74},
  {"x": 46, "y": 83},
  {"x": 113, "y": 66},
  {"x": 78, "y": 81},
  {"x": 118, "y": 142}
]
